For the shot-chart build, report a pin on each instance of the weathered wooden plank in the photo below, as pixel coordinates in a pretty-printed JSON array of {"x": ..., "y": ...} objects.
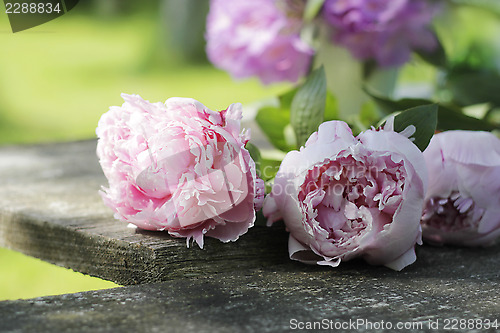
[
  {"x": 50, "y": 209},
  {"x": 445, "y": 283}
]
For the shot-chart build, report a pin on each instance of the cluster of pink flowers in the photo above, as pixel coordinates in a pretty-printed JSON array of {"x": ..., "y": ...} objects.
[
  {"x": 183, "y": 168},
  {"x": 262, "y": 37},
  {"x": 256, "y": 38}
]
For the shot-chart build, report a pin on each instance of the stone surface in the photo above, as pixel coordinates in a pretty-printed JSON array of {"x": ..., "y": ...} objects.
[{"x": 49, "y": 208}]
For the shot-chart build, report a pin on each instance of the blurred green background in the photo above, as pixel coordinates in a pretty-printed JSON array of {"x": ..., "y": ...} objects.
[{"x": 57, "y": 79}]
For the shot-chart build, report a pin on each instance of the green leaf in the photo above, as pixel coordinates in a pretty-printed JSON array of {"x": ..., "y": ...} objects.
[
  {"x": 287, "y": 98},
  {"x": 312, "y": 9},
  {"x": 449, "y": 117},
  {"x": 424, "y": 118},
  {"x": 366, "y": 118},
  {"x": 474, "y": 86},
  {"x": 436, "y": 57},
  {"x": 274, "y": 120},
  {"x": 290, "y": 137},
  {"x": 331, "y": 107},
  {"x": 269, "y": 168},
  {"x": 255, "y": 154},
  {"x": 489, "y": 5},
  {"x": 369, "y": 68},
  {"x": 308, "y": 106},
  {"x": 369, "y": 114}
]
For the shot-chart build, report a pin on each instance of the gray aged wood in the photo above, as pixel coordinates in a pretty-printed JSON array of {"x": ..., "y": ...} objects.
[
  {"x": 445, "y": 283},
  {"x": 49, "y": 208}
]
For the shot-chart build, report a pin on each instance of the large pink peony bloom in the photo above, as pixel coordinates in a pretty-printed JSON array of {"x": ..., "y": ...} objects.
[
  {"x": 343, "y": 197},
  {"x": 382, "y": 30},
  {"x": 463, "y": 199},
  {"x": 256, "y": 38},
  {"x": 178, "y": 167}
]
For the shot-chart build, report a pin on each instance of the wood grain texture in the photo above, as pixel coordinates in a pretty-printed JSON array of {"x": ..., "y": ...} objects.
[
  {"x": 50, "y": 209},
  {"x": 267, "y": 299}
]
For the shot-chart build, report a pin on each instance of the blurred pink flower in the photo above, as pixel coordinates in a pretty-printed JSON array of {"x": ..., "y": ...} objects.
[
  {"x": 178, "y": 167},
  {"x": 381, "y": 30},
  {"x": 463, "y": 199},
  {"x": 343, "y": 197},
  {"x": 256, "y": 38}
]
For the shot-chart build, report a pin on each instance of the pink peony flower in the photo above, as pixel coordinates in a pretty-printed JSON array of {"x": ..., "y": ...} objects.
[
  {"x": 463, "y": 199},
  {"x": 256, "y": 38},
  {"x": 381, "y": 30},
  {"x": 343, "y": 197},
  {"x": 178, "y": 167}
]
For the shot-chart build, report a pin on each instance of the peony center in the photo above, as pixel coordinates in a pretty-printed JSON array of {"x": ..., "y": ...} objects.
[
  {"x": 453, "y": 213},
  {"x": 347, "y": 195}
]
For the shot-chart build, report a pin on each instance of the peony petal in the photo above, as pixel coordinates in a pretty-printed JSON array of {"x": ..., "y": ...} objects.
[
  {"x": 270, "y": 210},
  {"x": 382, "y": 31},
  {"x": 229, "y": 232},
  {"x": 442, "y": 176},
  {"x": 233, "y": 116},
  {"x": 302, "y": 253},
  {"x": 330, "y": 218},
  {"x": 471, "y": 147},
  {"x": 404, "y": 260},
  {"x": 333, "y": 137}
]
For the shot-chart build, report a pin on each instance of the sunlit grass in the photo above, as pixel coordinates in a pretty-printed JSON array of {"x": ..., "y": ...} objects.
[
  {"x": 26, "y": 277},
  {"x": 57, "y": 79}
]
